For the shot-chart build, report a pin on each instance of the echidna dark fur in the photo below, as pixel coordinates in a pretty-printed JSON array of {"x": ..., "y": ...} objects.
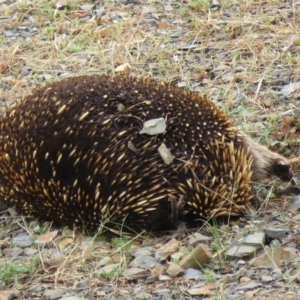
[{"x": 65, "y": 155}]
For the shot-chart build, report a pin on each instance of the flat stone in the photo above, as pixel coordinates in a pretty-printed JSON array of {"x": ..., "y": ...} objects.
[
  {"x": 108, "y": 269},
  {"x": 135, "y": 272},
  {"x": 23, "y": 240},
  {"x": 198, "y": 257},
  {"x": 197, "y": 238},
  {"x": 53, "y": 294},
  {"x": 238, "y": 251},
  {"x": 30, "y": 251},
  {"x": 5, "y": 243},
  {"x": 146, "y": 262},
  {"x": 166, "y": 250},
  {"x": 161, "y": 291},
  {"x": 266, "y": 278},
  {"x": 143, "y": 295},
  {"x": 152, "y": 279},
  {"x": 14, "y": 252},
  {"x": 248, "y": 286},
  {"x": 9, "y": 294},
  {"x": 256, "y": 239},
  {"x": 164, "y": 277},
  {"x": 104, "y": 261},
  {"x": 174, "y": 269},
  {"x": 275, "y": 233},
  {"x": 274, "y": 257},
  {"x": 53, "y": 253},
  {"x": 142, "y": 252},
  {"x": 193, "y": 274}
]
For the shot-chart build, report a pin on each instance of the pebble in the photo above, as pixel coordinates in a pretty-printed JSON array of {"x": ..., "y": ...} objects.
[
  {"x": 166, "y": 250},
  {"x": 146, "y": 262},
  {"x": 23, "y": 240},
  {"x": 53, "y": 294},
  {"x": 135, "y": 273},
  {"x": 107, "y": 269},
  {"x": 275, "y": 233},
  {"x": 174, "y": 270},
  {"x": 14, "y": 252},
  {"x": 193, "y": 274}
]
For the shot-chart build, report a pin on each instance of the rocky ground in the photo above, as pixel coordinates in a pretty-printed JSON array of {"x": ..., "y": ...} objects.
[{"x": 242, "y": 54}]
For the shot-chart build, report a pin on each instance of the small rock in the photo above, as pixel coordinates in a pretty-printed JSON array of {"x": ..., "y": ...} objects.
[
  {"x": 166, "y": 250},
  {"x": 14, "y": 252},
  {"x": 135, "y": 273},
  {"x": 52, "y": 253},
  {"x": 143, "y": 295},
  {"x": 238, "y": 251},
  {"x": 30, "y": 251},
  {"x": 245, "y": 280},
  {"x": 174, "y": 270},
  {"x": 198, "y": 257},
  {"x": 240, "y": 262},
  {"x": 82, "y": 284},
  {"x": 177, "y": 256},
  {"x": 53, "y": 294},
  {"x": 266, "y": 278},
  {"x": 152, "y": 279},
  {"x": 168, "y": 8},
  {"x": 164, "y": 277},
  {"x": 104, "y": 262},
  {"x": 146, "y": 262},
  {"x": 275, "y": 233},
  {"x": 290, "y": 88},
  {"x": 163, "y": 25},
  {"x": 46, "y": 76},
  {"x": 274, "y": 257},
  {"x": 248, "y": 286},
  {"x": 215, "y": 5},
  {"x": 2, "y": 285},
  {"x": 161, "y": 291},
  {"x": 9, "y": 294},
  {"x": 123, "y": 69},
  {"x": 109, "y": 269},
  {"x": 5, "y": 243},
  {"x": 25, "y": 71},
  {"x": 23, "y": 240},
  {"x": 142, "y": 252},
  {"x": 268, "y": 102},
  {"x": 256, "y": 239},
  {"x": 193, "y": 274},
  {"x": 197, "y": 238}
]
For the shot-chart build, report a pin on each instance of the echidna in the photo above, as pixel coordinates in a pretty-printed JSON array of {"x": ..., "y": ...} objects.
[{"x": 74, "y": 152}]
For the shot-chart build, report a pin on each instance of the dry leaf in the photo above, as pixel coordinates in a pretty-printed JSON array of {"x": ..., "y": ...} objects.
[
  {"x": 125, "y": 68},
  {"x": 163, "y": 25},
  {"x": 66, "y": 242},
  {"x": 103, "y": 32},
  {"x": 47, "y": 237},
  {"x": 204, "y": 290}
]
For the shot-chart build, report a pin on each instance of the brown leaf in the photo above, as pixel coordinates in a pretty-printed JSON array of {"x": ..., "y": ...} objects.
[
  {"x": 163, "y": 25},
  {"x": 204, "y": 290},
  {"x": 47, "y": 237},
  {"x": 66, "y": 242}
]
